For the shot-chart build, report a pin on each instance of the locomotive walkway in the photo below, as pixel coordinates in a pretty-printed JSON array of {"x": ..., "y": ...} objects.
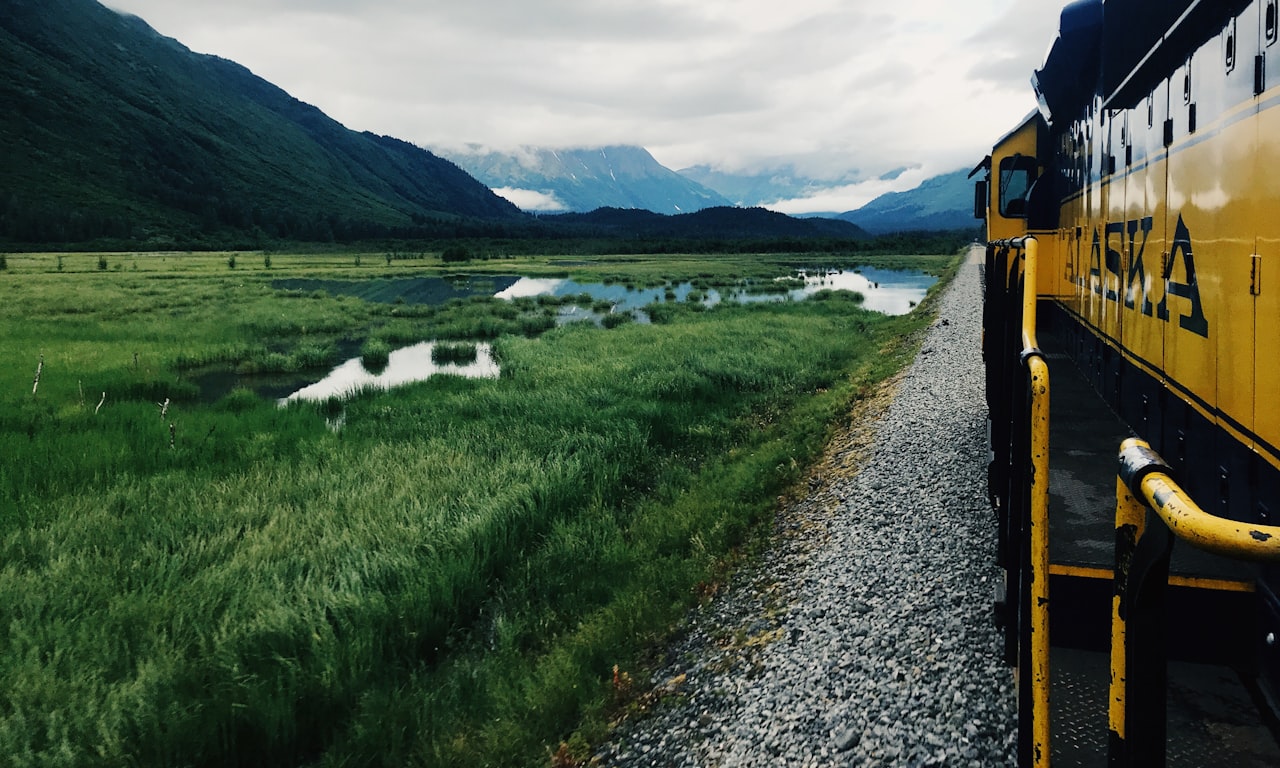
[{"x": 864, "y": 636}]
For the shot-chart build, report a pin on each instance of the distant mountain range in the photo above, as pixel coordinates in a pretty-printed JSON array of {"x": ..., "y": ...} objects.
[
  {"x": 579, "y": 180},
  {"x": 940, "y": 203},
  {"x": 709, "y": 223},
  {"x": 111, "y": 130},
  {"x": 749, "y": 189}
]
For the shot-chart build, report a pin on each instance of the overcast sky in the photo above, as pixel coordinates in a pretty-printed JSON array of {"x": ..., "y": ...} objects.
[{"x": 824, "y": 86}]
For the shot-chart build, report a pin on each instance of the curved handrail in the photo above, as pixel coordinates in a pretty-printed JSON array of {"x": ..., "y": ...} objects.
[
  {"x": 1037, "y": 370},
  {"x": 1147, "y": 476},
  {"x": 1137, "y": 692}
]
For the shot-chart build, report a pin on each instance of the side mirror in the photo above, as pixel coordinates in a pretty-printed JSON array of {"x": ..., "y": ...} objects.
[{"x": 980, "y": 200}]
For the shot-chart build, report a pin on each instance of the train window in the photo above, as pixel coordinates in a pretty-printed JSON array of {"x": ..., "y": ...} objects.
[{"x": 1017, "y": 174}]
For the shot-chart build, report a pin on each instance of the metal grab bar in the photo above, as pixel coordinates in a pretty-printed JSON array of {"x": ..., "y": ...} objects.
[
  {"x": 1146, "y": 475},
  {"x": 1033, "y": 645},
  {"x": 1147, "y": 496}
]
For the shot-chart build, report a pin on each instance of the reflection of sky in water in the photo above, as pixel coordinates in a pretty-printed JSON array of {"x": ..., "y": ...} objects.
[
  {"x": 532, "y": 286},
  {"x": 888, "y": 291},
  {"x": 404, "y": 366}
]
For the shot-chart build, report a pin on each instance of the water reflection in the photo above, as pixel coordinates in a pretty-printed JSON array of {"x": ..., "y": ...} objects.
[
  {"x": 623, "y": 298},
  {"x": 404, "y": 366},
  {"x": 892, "y": 292}
]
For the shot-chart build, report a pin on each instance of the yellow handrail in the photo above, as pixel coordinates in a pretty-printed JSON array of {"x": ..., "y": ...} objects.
[
  {"x": 1148, "y": 478},
  {"x": 1143, "y": 483},
  {"x": 1038, "y": 378},
  {"x": 1038, "y": 371}
]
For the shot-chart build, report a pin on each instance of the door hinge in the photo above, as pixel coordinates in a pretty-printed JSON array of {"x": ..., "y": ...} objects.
[{"x": 1255, "y": 275}]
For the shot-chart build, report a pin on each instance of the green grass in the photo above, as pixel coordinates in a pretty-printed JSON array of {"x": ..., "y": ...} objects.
[
  {"x": 447, "y": 580},
  {"x": 445, "y": 352},
  {"x": 374, "y": 354}
]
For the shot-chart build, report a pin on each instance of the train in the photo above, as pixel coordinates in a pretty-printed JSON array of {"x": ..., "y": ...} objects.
[{"x": 1131, "y": 340}]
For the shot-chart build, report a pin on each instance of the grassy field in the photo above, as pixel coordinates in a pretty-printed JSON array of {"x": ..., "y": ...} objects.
[{"x": 451, "y": 577}]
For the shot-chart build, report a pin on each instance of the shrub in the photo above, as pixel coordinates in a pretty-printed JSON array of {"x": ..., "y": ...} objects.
[
  {"x": 616, "y": 319},
  {"x": 374, "y": 355},
  {"x": 532, "y": 325},
  {"x": 102, "y": 263},
  {"x": 240, "y": 400},
  {"x": 231, "y": 262},
  {"x": 455, "y": 253}
]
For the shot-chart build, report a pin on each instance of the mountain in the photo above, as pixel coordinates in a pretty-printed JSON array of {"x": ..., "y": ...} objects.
[
  {"x": 726, "y": 223},
  {"x": 114, "y": 131},
  {"x": 585, "y": 179},
  {"x": 764, "y": 187},
  {"x": 939, "y": 203}
]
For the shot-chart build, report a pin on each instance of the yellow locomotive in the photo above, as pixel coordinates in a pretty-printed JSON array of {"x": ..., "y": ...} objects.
[{"x": 1132, "y": 344}]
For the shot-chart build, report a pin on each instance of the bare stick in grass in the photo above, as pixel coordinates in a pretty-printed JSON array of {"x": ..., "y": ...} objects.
[
  {"x": 100, "y": 402},
  {"x": 36, "y": 384}
]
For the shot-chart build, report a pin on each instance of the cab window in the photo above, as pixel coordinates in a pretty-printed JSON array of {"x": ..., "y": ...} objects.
[{"x": 1017, "y": 174}]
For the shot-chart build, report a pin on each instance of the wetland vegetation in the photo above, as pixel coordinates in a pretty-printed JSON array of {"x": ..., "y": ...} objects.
[{"x": 461, "y": 574}]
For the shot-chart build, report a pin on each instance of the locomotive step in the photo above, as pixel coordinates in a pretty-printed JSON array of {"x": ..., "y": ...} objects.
[{"x": 1212, "y": 718}]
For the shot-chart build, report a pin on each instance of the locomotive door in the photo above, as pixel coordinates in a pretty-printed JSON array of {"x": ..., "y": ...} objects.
[{"x": 1265, "y": 284}]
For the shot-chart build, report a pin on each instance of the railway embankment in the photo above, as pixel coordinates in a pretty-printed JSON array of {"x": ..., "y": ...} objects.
[{"x": 864, "y": 635}]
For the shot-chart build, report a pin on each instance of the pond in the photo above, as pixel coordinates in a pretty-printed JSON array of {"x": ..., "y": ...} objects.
[
  {"x": 404, "y": 366},
  {"x": 892, "y": 292}
]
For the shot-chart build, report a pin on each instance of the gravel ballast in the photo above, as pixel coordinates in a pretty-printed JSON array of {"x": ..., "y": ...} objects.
[{"x": 863, "y": 637}]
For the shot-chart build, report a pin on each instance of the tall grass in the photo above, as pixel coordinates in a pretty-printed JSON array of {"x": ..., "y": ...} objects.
[{"x": 448, "y": 580}]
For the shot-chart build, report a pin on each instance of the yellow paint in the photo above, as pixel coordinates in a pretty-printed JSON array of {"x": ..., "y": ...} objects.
[
  {"x": 1122, "y": 258},
  {"x": 1081, "y": 571},
  {"x": 1229, "y": 538},
  {"x": 1213, "y": 585},
  {"x": 1264, "y": 201},
  {"x": 1021, "y": 141},
  {"x": 1192, "y": 582},
  {"x": 1129, "y": 513},
  {"x": 1038, "y": 375}
]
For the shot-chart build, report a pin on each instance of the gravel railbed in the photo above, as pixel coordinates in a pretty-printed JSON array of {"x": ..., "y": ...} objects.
[{"x": 863, "y": 637}]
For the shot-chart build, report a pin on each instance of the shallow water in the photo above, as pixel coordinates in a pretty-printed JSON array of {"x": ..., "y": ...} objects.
[
  {"x": 892, "y": 292},
  {"x": 404, "y": 366}
]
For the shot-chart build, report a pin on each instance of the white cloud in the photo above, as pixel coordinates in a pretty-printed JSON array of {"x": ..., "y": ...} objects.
[
  {"x": 828, "y": 85},
  {"x": 532, "y": 199},
  {"x": 848, "y": 197}
]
